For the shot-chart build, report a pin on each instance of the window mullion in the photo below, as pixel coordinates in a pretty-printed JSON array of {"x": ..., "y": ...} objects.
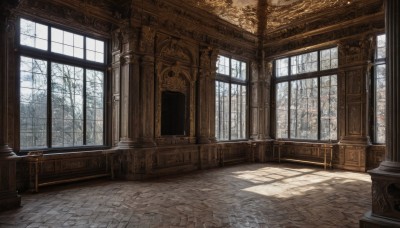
[
  {"x": 84, "y": 107},
  {"x": 230, "y": 99},
  {"x": 319, "y": 108},
  {"x": 49, "y": 106}
]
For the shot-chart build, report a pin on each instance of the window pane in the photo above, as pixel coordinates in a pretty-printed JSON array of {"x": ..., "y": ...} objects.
[
  {"x": 328, "y": 103},
  {"x": 238, "y": 112},
  {"x": 282, "y": 67},
  {"x": 94, "y": 107},
  {"x": 304, "y": 63},
  {"x": 329, "y": 58},
  {"x": 223, "y": 65},
  {"x": 282, "y": 102},
  {"x": 304, "y": 109},
  {"x": 33, "y": 104},
  {"x": 380, "y": 103},
  {"x": 381, "y": 47},
  {"x": 94, "y": 50},
  {"x": 222, "y": 111},
  {"x": 33, "y": 34},
  {"x": 66, "y": 43},
  {"x": 67, "y": 102},
  {"x": 238, "y": 70}
]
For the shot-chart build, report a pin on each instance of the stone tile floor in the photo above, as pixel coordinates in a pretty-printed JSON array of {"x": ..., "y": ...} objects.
[{"x": 249, "y": 195}]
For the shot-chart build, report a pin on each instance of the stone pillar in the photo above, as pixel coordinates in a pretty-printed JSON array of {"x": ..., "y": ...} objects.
[
  {"x": 266, "y": 88},
  {"x": 146, "y": 90},
  {"x": 386, "y": 178},
  {"x": 211, "y": 96},
  {"x": 8, "y": 194},
  {"x": 255, "y": 103},
  {"x": 205, "y": 98},
  {"x": 129, "y": 91},
  {"x": 116, "y": 86},
  {"x": 260, "y": 100}
]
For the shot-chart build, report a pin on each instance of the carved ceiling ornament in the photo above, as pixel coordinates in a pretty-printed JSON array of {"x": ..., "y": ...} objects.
[
  {"x": 284, "y": 12},
  {"x": 242, "y": 13},
  {"x": 279, "y": 13}
]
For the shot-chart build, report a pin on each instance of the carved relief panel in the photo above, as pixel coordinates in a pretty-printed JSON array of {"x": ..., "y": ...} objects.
[{"x": 176, "y": 70}]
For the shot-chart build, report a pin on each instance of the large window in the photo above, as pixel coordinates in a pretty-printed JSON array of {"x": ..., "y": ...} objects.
[
  {"x": 306, "y": 96},
  {"x": 380, "y": 89},
  {"x": 231, "y": 99},
  {"x": 61, "y": 88}
]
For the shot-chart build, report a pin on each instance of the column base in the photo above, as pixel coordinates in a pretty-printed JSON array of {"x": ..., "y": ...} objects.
[
  {"x": 142, "y": 143},
  {"x": 126, "y": 143},
  {"x": 6, "y": 151},
  {"x": 385, "y": 195},
  {"x": 10, "y": 201},
  {"x": 9, "y": 198},
  {"x": 392, "y": 167},
  {"x": 370, "y": 221}
]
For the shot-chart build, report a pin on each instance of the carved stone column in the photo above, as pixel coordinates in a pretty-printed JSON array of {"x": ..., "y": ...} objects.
[
  {"x": 146, "y": 91},
  {"x": 386, "y": 178},
  {"x": 129, "y": 91},
  {"x": 116, "y": 86},
  {"x": 205, "y": 97},
  {"x": 260, "y": 100},
  {"x": 8, "y": 194},
  {"x": 211, "y": 96},
  {"x": 354, "y": 71},
  {"x": 266, "y": 87},
  {"x": 255, "y": 103}
]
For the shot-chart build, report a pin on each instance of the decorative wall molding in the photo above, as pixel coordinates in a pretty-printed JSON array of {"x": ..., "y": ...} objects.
[{"x": 99, "y": 21}]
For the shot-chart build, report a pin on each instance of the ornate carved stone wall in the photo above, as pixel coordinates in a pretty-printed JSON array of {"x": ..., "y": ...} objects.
[
  {"x": 157, "y": 46},
  {"x": 176, "y": 71}
]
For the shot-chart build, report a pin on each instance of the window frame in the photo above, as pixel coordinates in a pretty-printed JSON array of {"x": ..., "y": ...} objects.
[
  {"x": 289, "y": 78},
  {"x": 229, "y": 79},
  {"x": 58, "y": 58},
  {"x": 377, "y": 62}
]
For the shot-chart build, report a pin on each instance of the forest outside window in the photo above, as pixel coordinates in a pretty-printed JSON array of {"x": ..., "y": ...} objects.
[
  {"x": 61, "y": 88},
  {"x": 231, "y": 99},
  {"x": 306, "y": 97},
  {"x": 380, "y": 89}
]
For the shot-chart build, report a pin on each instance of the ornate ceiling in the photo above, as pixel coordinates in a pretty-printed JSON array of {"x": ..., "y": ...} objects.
[{"x": 243, "y": 13}]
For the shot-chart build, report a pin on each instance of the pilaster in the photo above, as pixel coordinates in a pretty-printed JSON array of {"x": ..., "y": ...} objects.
[
  {"x": 354, "y": 71},
  {"x": 205, "y": 97},
  {"x": 146, "y": 90},
  {"x": 129, "y": 90},
  {"x": 211, "y": 96},
  {"x": 116, "y": 85}
]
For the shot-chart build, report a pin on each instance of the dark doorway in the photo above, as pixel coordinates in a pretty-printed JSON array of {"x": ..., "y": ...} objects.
[{"x": 173, "y": 113}]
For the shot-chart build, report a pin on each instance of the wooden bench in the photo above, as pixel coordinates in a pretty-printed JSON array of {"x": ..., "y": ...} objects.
[
  {"x": 36, "y": 159},
  {"x": 325, "y": 148}
]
